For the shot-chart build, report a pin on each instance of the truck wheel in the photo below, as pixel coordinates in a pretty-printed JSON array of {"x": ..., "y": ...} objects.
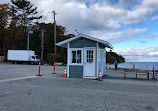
[{"x": 32, "y": 63}]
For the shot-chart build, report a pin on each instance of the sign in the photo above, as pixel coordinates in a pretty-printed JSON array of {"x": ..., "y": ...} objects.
[{"x": 30, "y": 32}]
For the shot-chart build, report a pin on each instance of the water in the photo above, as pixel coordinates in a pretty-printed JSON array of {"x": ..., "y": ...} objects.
[{"x": 136, "y": 65}]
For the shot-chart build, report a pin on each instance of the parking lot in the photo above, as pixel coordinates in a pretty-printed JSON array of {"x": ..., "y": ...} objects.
[{"x": 21, "y": 90}]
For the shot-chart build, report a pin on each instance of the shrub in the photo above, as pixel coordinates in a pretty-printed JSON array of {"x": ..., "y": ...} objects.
[
  {"x": 57, "y": 57},
  {"x": 43, "y": 62}
]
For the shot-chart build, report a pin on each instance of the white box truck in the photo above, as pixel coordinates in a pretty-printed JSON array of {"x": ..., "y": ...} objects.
[{"x": 21, "y": 56}]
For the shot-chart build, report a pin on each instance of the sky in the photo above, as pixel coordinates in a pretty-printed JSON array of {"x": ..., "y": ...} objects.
[{"x": 129, "y": 25}]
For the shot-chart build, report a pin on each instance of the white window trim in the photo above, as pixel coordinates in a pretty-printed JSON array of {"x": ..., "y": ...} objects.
[
  {"x": 97, "y": 59},
  {"x": 68, "y": 58},
  {"x": 75, "y": 49}
]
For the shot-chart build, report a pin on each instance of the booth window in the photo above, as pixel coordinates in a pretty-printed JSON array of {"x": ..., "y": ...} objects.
[
  {"x": 33, "y": 57},
  {"x": 73, "y": 56},
  {"x": 89, "y": 56},
  {"x": 76, "y": 56}
]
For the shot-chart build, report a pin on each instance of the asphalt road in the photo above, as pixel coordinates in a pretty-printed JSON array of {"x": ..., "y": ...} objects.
[{"x": 21, "y": 90}]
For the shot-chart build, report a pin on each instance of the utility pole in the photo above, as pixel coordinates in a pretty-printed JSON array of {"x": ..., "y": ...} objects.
[
  {"x": 55, "y": 47},
  {"x": 29, "y": 31},
  {"x": 42, "y": 44},
  {"x": 28, "y": 39}
]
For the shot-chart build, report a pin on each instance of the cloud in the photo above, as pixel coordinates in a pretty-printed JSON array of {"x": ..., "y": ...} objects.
[
  {"x": 149, "y": 54},
  {"x": 153, "y": 36},
  {"x": 102, "y": 15},
  {"x": 140, "y": 13},
  {"x": 129, "y": 4},
  {"x": 121, "y": 36},
  {"x": 4, "y": 1},
  {"x": 142, "y": 41},
  {"x": 155, "y": 18}
]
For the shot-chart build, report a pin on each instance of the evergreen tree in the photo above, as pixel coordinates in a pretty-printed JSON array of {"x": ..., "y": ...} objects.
[{"x": 25, "y": 12}]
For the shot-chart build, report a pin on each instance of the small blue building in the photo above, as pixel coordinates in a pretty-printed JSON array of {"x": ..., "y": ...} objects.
[{"x": 86, "y": 56}]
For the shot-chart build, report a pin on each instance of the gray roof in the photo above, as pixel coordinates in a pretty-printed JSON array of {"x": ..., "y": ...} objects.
[{"x": 65, "y": 42}]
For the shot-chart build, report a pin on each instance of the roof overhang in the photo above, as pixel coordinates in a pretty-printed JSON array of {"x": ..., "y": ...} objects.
[{"x": 65, "y": 42}]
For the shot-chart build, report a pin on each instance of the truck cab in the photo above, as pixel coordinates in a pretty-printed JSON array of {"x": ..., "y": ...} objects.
[{"x": 34, "y": 59}]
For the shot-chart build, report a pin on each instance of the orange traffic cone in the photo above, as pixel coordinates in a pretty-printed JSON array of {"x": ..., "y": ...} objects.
[
  {"x": 100, "y": 77},
  {"x": 65, "y": 75}
]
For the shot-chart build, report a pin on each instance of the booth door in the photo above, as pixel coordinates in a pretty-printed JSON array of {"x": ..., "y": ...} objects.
[{"x": 89, "y": 62}]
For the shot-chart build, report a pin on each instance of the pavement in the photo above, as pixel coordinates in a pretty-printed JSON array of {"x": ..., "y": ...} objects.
[{"x": 22, "y": 90}]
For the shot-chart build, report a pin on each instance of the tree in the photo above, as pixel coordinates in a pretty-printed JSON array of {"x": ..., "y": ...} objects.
[
  {"x": 111, "y": 56},
  {"x": 4, "y": 17},
  {"x": 35, "y": 39},
  {"x": 25, "y": 12}
]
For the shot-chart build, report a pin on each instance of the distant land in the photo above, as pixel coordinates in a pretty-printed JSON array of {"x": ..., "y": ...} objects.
[{"x": 111, "y": 56}]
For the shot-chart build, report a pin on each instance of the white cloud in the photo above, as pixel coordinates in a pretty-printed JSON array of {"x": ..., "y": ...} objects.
[
  {"x": 154, "y": 18},
  {"x": 153, "y": 36},
  {"x": 142, "y": 41},
  {"x": 128, "y": 3},
  {"x": 102, "y": 16},
  {"x": 117, "y": 37},
  {"x": 149, "y": 54},
  {"x": 4, "y": 1},
  {"x": 150, "y": 3}
]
